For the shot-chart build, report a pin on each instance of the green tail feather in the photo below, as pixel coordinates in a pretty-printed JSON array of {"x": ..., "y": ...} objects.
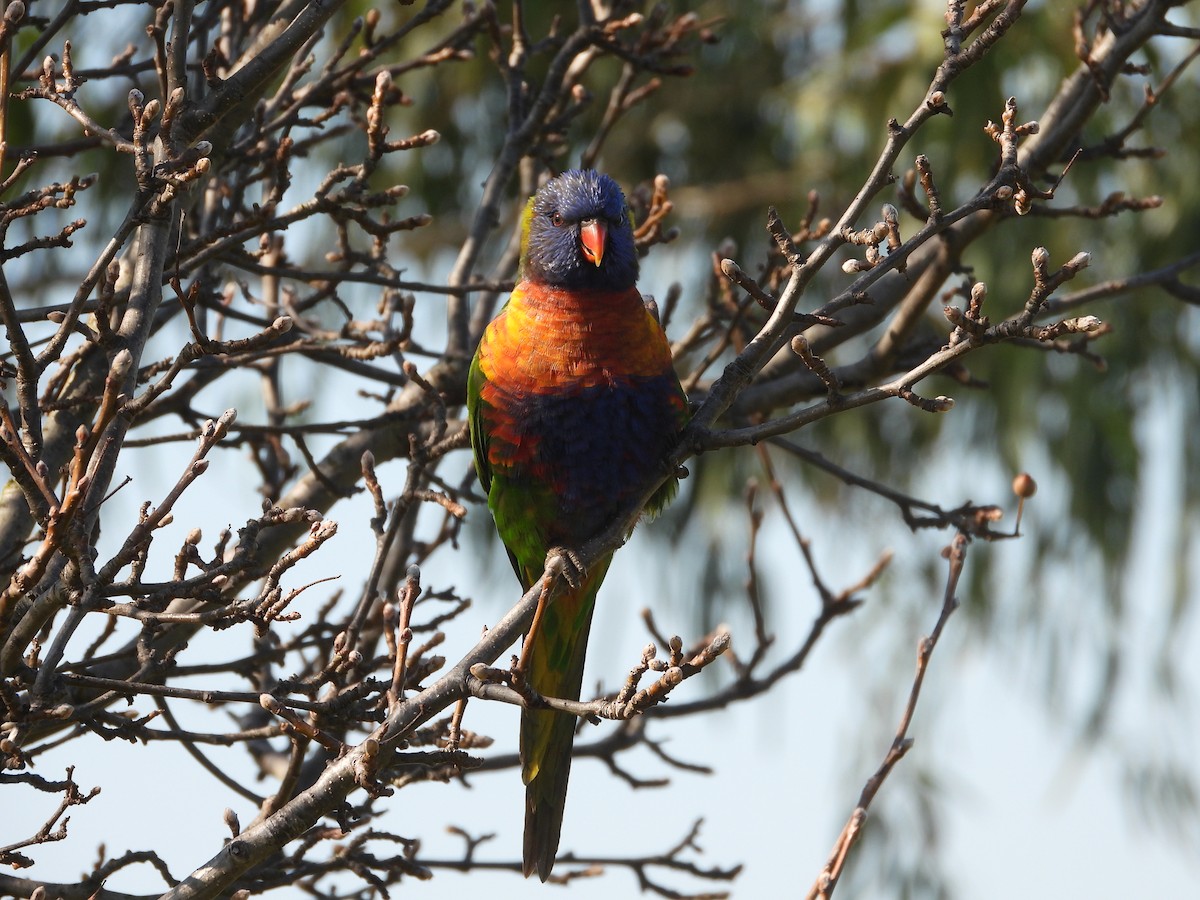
[
  {"x": 555, "y": 670},
  {"x": 546, "y": 794}
]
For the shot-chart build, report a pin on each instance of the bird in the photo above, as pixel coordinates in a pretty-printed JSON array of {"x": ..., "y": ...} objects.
[{"x": 573, "y": 406}]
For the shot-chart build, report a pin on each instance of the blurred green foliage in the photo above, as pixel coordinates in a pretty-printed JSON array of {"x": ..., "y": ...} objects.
[{"x": 792, "y": 98}]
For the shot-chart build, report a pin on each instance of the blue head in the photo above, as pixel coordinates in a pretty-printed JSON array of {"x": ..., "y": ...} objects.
[{"x": 577, "y": 234}]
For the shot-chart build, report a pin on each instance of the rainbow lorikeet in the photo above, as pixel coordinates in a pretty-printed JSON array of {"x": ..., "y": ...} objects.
[{"x": 573, "y": 406}]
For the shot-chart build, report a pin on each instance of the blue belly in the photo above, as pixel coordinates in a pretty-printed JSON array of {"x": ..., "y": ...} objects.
[{"x": 596, "y": 449}]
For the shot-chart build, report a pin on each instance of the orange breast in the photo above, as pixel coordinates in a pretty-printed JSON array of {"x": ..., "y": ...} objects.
[{"x": 547, "y": 340}]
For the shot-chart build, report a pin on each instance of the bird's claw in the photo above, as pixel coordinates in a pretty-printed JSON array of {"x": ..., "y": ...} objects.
[
  {"x": 560, "y": 563},
  {"x": 564, "y": 562}
]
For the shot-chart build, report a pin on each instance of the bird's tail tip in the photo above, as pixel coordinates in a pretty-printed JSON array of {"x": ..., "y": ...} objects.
[
  {"x": 532, "y": 866},
  {"x": 543, "y": 825},
  {"x": 538, "y": 857}
]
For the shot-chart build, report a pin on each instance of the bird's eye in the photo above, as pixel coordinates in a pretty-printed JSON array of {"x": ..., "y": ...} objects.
[{"x": 557, "y": 220}]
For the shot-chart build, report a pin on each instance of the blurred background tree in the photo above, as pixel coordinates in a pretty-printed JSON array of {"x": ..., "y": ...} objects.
[{"x": 743, "y": 106}]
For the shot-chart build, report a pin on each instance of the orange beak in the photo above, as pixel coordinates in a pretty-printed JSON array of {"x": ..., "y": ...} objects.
[{"x": 592, "y": 236}]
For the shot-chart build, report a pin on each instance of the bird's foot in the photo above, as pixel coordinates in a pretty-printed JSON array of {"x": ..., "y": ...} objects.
[
  {"x": 560, "y": 563},
  {"x": 565, "y": 563}
]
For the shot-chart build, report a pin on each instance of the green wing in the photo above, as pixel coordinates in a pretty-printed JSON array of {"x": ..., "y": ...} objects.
[
  {"x": 512, "y": 534},
  {"x": 475, "y": 381}
]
